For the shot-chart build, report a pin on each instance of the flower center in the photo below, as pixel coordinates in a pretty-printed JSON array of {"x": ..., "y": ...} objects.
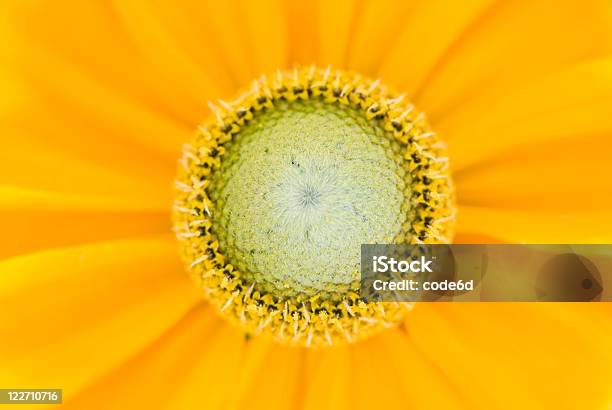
[
  {"x": 299, "y": 190},
  {"x": 276, "y": 193}
]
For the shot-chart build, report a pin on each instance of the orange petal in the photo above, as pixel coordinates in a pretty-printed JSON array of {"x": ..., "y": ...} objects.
[
  {"x": 413, "y": 380},
  {"x": 327, "y": 378},
  {"x": 221, "y": 360},
  {"x": 519, "y": 355},
  {"x": 263, "y": 28},
  {"x": 188, "y": 367},
  {"x": 572, "y": 103},
  {"x": 376, "y": 24},
  {"x": 67, "y": 91},
  {"x": 53, "y": 145},
  {"x": 512, "y": 42},
  {"x": 221, "y": 30},
  {"x": 335, "y": 26},
  {"x": 278, "y": 383},
  {"x": 70, "y": 315},
  {"x": 374, "y": 381},
  {"x": 160, "y": 33},
  {"x": 172, "y": 74},
  {"x": 35, "y": 220},
  {"x": 475, "y": 238},
  {"x": 302, "y": 22},
  {"x": 569, "y": 175},
  {"x": 537, "y": 227},
  {"x": 428, "y": 30},
  {"x": 151, "y": 377}
]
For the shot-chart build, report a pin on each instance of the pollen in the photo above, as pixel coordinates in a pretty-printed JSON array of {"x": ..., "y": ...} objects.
[{"x": 279, "y": 188}]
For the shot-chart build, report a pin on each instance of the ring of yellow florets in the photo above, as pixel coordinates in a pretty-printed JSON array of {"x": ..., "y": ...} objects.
[{"x": 307, "y": 320}]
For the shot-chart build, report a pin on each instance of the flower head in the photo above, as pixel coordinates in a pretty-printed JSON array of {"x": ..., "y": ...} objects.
[{"x": 99, "y": 100}]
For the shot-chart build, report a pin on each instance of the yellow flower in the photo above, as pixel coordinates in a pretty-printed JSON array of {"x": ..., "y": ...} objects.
[{"x": 97, "y": 100}]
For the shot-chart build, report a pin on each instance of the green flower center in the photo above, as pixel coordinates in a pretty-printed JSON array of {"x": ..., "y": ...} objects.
[
  {"x": 280, "y": 187},
  {"x": 300, "y": 188}
]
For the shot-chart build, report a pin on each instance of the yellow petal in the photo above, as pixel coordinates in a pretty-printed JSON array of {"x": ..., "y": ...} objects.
[
  {"x": 390, "y": 373},
  {"x": 569, "y": 175},
  {"x": 34, "y": 220},
  {"x": 32, "y": 162},
  {"x": 222, "y": 30},
  {"x": 302, "y": 22},
  {"x": 498, "y": 359},
  {"x": 416, "y": 381},
  {"x": 429, "y": 29},
  {"x": 376, "y": 24},
  {"x": 512, "y": 42},
  {"x": 104, "y": 50},
  {"x": 327, "y": 381},
  {"x": 47, "y": 141},
  {"x": 466, "y": 237},
  {"x": 573, "y": 103},
  {"x": 151, "y": 378},
  {"x": 213, "y": 41},
  {"x": 70, "y": 315},
  {"x": 263, "y": 28},
  {"x": 49, "y": 145},
  {"x": 219, "y": 362},
  {"x": 335, "y": 28},
  {"x": 202, "y": 362},
  {"x": 278, "y": 382},
  {"x": 253, "y": 357},
  {"x": 374, "y": 383},
  {"x": 157, "y": 29},
  {"x": 67, "y": 90},
  {"x": 51, "y": 142},
  {"x": 384, "y": 372},
  {"x": 32, "y": 199},
  {"x": 536, "y": 227}
]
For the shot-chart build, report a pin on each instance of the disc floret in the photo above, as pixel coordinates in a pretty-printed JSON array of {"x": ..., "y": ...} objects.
[{"x": 287, "y": 312}]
